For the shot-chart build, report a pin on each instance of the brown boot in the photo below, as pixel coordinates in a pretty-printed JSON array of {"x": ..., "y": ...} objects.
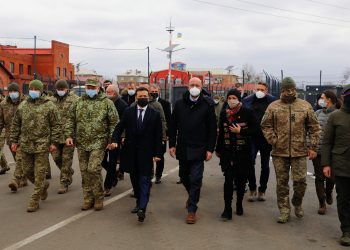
[
  {"x": 63, "y": 189},
  {"x": 33, "y": 206},
  {"x": 87, "y": 205},
  {"x": 14, "y": 185},
  {"x": 322, "y": 209},
  {"x": 23, "y": 182},
  {"x": 191, "y": 218},
  {"x": 98, "y": 205},
  {"x": 44, "y": 194}
]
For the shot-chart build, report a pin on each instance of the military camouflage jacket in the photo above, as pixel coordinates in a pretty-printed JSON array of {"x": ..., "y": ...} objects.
[
  {"x": 36, "y": 125},
  {"x": 91, "y": 122},
  {"x": 64, "y": 104},
  {"x": 8, "y": 109},
  {"x": 286, "y": 127}
]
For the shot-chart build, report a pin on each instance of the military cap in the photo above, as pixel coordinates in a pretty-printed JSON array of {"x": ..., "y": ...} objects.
[
  {"x": 92, "y": 82},
  {"x": 288, "y": 83},
  {"x": 37, "y": 84},
  {"x": 13, "y": 86},
  {"x": 61, "y": 84}
]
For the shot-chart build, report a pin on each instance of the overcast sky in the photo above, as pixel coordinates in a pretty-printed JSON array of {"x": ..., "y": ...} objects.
[{"x": 215, "y": 33}]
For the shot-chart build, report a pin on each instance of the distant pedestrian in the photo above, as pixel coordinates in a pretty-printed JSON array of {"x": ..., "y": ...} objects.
[{"x": 335, "y": 159}]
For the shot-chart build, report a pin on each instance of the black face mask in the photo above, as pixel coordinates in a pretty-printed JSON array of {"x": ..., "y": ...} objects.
[
  {"x": 347, "y": 101},
  {"x": 154, "y": 95},
  {"x": 142, "y": 102}
]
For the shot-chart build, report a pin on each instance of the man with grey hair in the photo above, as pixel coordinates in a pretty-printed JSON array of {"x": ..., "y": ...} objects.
[{"x": 109, "y": 162}]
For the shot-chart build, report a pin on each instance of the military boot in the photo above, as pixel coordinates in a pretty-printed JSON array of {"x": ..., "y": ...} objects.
[
  {"x": 23, "y": 182},
  {"x": 14, "y": 185},
  {"x": 283, "y": 218},
  {"x": 98, "y": 205},
  {"x": 63, "y": 189},
  {"x": 4, "y": 170},
  {"x": 227, "y": 213},
  {"x": 44, "y": 194},
  {"x": 33, "y": 206},
  {"x": 345, "y": 239},
  {"x": 87, "y": 205},
  {"x": 322, "y": 209},
  {"x": 299, "y": 212}
]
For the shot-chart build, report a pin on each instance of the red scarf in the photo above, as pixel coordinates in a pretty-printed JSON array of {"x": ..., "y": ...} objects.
[{"x": 231, "y": 112}]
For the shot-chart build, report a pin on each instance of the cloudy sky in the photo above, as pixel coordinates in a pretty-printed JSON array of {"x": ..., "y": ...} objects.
[{"x": 301, "y": 37}]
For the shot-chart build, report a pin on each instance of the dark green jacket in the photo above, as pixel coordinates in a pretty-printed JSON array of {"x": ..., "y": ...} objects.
[{"x": 336, "y": 143}]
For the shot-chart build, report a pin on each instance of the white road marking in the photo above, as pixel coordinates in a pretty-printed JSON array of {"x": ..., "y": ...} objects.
[{"x": 69, "y": 220}]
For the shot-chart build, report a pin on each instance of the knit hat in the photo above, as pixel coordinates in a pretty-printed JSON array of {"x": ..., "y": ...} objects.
[
  {"x": 234, "y": 92},
  {"x": 288, "y": 83},
  {"x": 13, "y": 87},
  {"x": 61, "y": 84},
  {"x": 37, "y": 85},
  {"x": 92, "y": 82},
  {"x": 346, "y": 88}
]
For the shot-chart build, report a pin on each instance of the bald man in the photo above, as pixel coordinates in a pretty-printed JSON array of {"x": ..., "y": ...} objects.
[{"x": 192, "y": 138}]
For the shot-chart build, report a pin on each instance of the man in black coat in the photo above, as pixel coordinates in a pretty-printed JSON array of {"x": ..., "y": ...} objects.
[
  {"x": 142, "y": 146},
  {"x": 154, "y": 92},
  {"x": 110, "y": 159},
  {"x": 192, "y": 137}
]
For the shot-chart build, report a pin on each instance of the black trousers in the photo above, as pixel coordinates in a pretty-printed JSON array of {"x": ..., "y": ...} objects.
[
  {"x": 342, "y": 185},
  {"x": 109, "y": 163},
  {"x": 160, "y": 164},
  {"x": 233, "y": 175},
  {"x": 191, "y": 174}
]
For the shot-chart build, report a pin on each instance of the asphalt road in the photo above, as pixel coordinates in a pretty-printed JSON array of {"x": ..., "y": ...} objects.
[{"x": 59, "y": 223}]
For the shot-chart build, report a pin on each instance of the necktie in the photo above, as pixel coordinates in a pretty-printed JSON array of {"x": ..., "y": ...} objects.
[{"x": 139, "y": 119}]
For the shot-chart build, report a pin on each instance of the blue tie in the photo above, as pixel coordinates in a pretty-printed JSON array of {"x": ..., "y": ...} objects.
[{"x": 139, "y": 119}]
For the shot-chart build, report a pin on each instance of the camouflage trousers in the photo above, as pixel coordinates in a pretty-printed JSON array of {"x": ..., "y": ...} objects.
[
  {"x": 63, "y": 158},
  {"x": 35, "y": 167},
  {"x": 18, "y": 174},
  {"x": 3, "y": 161},
  {"x": 298, "y": 168},
  {"x": 91, "y": 174}
]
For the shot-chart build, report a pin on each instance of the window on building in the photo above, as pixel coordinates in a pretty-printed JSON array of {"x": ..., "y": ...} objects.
[
  {"x": 58, "y": 71},
  {"x": 29, "y": 70},
  {"x": 71, "y": 75},
  {"x": 178, "y": 81},
  {"x": 64, "y": 72},
  {"x": 21, "y": 69},
  {"x": 12, "y": 67}
]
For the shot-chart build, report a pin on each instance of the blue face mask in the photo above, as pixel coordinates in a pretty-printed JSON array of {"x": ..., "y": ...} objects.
[
  {"x": 91, "y": 92},
  {"x": 34, "y": 94},
  {"x": 14, "y": 95},
  {"x": 61, "y": 93}
]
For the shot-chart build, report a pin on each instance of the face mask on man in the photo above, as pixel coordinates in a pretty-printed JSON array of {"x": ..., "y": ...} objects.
[
  {"x": 14, "y": 95},
  {"x": 110, "y": 96},
  {"x": 322, "y": 103},
  {"x": 131, "y": 92},
  {"x": 34, "y": 94},
  {"x": 91, "y": 92},
  {"x": 61, "y": 93},
  {"x": 259, "y": 94},
  {"x": 194, "y": 92},
  {"x": 232, "y": 103},
  {"x": 154, "y": 95},
  {"x": 142, "y": 102},
  {"x": 216, "y": 101},
  {"x": 288, "y": 96}
]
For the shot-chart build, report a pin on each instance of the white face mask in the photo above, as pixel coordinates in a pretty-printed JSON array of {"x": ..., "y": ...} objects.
[
  {"x": 259, "y": 94},
  {"x": 232, "y": 103},
  {"x": 216, "y": 101},
  {"x": 195, "y": 91},
  {"x": 322, "y": 103},
  {"x": 131, "y": 92}
]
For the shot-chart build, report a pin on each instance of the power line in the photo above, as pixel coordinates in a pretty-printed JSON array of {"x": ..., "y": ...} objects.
[
  {"x": 268, "y": 14},
  {"x": 293, "y": 11},
  {"x": 18, "y": 38},
  {"x": 328, "y": 4}
]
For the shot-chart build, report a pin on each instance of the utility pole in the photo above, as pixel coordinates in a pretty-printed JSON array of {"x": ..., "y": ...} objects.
[
  {"x": 281, "y": 75},
  {"x": 34, "y": 58},
  {"x": 243, "y": 76},
  {"x": 320, "y": 78},
  {"x": 148, "y": 65},
  {"x": 170, "y": 29}
]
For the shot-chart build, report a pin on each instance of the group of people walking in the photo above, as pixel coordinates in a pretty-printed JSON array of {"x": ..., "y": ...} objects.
[{"x": 135, "y": 126}]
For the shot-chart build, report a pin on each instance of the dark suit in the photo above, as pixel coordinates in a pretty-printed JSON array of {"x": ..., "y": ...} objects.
[
  {"x": 167, "y": 112},
  {"x": 141, "y": 144}
]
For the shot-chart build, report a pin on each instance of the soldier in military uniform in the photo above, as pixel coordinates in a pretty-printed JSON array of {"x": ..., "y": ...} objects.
[
  {"x": 63, "y": 156},
  {"x": 91, "y": 122},
  {"x": 3, "y": 162},
  {"x": 8, "y": 109},
  {"x": 286, "y": 124},
  {"x": 36, "y": 129}
]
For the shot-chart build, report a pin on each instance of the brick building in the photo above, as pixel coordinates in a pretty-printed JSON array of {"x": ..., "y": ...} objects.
[{"x": 51, "y": 63}]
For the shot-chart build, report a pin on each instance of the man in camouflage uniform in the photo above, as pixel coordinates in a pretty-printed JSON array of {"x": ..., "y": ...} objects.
[
  {"x": 8, "y": 109},
  {"x": 91, "y": 122},
  {"x": 286, "y": 124},
  {"x": 3, "y": 162},
  {"x": 63, "y": 156},
  {"x": 36, "y": 129}
]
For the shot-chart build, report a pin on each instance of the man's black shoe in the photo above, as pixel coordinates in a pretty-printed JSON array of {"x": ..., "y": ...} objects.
[{"x": 141, "y": 214}]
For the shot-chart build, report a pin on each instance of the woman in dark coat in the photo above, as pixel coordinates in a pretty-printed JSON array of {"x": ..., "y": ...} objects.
[{"x": 236, "y": 127}]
